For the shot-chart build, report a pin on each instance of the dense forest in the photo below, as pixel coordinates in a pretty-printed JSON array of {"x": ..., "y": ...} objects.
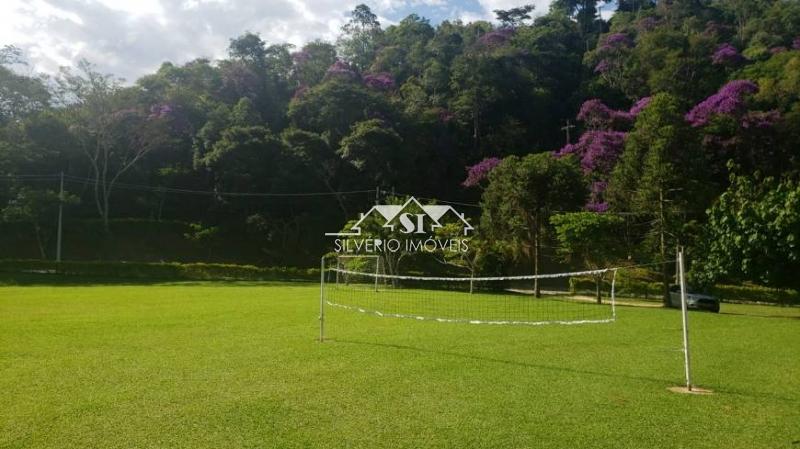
[{"x": 562, "y": 135}]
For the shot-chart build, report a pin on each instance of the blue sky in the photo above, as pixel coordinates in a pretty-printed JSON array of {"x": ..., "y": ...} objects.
[{"x": 132, "y": 37}]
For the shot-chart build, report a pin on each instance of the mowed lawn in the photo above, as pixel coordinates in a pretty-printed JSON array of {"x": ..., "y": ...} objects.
[{"x": 222, "y": 365}]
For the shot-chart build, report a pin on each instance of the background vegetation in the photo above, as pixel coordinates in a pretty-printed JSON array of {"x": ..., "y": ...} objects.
[{"x": 681, "y": 118}]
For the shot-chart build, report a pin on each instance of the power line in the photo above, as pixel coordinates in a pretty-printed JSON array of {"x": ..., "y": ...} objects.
[
  {"x": 457, "y": 203},
  {"x": 160, "y": 189},
  {"x": 176, "y": 190}
]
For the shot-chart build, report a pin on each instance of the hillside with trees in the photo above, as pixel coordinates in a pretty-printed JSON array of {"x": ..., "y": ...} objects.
[{"x": 680, "y": 119}]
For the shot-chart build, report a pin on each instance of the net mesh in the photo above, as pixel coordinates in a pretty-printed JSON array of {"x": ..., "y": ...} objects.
[{"x": 361, "y": 284}]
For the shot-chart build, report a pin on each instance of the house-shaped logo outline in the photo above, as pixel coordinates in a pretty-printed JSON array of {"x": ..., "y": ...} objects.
[{"x": 390, "y": 212}]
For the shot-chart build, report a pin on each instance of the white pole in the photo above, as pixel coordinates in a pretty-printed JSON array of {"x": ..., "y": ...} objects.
[
  {"x": 686, "y": 357},
  {"x": 377, "y": 265},
  {"x": 322, "y": 299},
  {"x": 60, "y": 216},
  {"x": 613, "y": 296}
]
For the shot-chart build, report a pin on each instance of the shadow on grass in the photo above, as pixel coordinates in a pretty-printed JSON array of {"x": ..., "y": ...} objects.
[
  {"x": 505, "y": 362},
  {"x": 761, "y": 315},
  {"x": 662, "y": 382}
]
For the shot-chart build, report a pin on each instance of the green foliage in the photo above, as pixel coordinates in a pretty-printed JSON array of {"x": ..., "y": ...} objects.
[
  {"x": 753, "y": 233},
  {"x": 240, "y": 150},
  {"x": 171, "y": 271},
  {"x": 659, "y": 178},
  {"x": 521, "y": 195},
  {"x": 268, "y": 119},
  {"x": 755, "y": 294},
  {"x": 359, "y": 37},
  {"x": 38, "y": 208},
  {"x": 514, "y": 17},
  {"x": 334, "y": 106},
  {"x": 659, "y": 174},
  {"x": 20, "y": 95},
  {"x": 373, "y": 148},
  {"x": 372, "y": 227},
  {"x": 317, "y": 56},
  {"x": 201, "y": 234},
  {"x": 591, "y": 239},
  {"x": 632, "y": 288},
  {"x": 594, "y": 239},
  {"x": 479, "y": 250}
]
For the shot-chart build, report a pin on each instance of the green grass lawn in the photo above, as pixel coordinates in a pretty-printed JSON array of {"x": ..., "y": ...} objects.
[
  {"x": 238, "y": 366},
  {"x": 498, "y": 306}
]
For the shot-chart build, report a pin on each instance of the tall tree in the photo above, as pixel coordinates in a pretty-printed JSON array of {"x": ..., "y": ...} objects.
[
  {"x": 590, "y": 238},
  {"x": 583, "y": 11},
  {"x": 521, "y": 195},
  {"x": 359, "y": 38},
  {"x": 658, "y": 177},
  {"x": 373, "y": 147},
  {"x": 113, "y": 135},
  {"x": 20, "y": 95},
  {"x": 311, "y": 63},
  {"x": 514, "y": 17}
]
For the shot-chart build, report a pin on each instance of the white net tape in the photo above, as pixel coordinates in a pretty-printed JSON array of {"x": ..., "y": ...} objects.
[
  {"x": 494, "y": 300},
  {"x": 476, "y": 279}
]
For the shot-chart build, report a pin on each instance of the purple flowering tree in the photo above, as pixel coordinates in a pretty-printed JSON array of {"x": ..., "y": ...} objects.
[
  {"x": 480, "y": 171},
  {"x": 301, "y": 57},
  {"x": 615, "y": 41},
  {"x": 726, "y": 54},
  {"x": 639, "y": 106},
  {"x": 729, "y": 100},
  {"x": 172, "y": 116},
  {"x": 599, "y": 148},
  {"x": 760, "y": 119},
  {"x": 732, "y": 131},
  {"x": 446, "y": 115},
  {"x": 379, "y": 81},
  {"x": 596, "y": 115},
  {"x": 610, "y": 60},
  {"x": 239, "y": 80},
  {"x": 496, "y": 38},
  {"x": 597, "y": 202},
  {"x": 647, "y": 24},
  {"x": 341, "y": 70}
]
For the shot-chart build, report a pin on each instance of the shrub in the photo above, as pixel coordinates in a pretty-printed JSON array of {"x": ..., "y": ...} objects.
[
  {"x": 159, "y": 271},
  {"x": 756, "y": 293}
]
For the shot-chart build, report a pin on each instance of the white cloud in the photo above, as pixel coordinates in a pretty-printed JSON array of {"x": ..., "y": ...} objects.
[{"x": 132, "y": 37}]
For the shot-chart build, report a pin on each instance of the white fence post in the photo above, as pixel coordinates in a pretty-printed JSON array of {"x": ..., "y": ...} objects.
[{"x": 687, "y": 359}]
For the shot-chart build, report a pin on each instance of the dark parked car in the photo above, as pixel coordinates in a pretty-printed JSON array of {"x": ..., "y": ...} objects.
[{"x": 696, "y": 301}]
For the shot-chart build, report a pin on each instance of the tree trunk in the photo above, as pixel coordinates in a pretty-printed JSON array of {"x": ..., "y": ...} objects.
[
  {"x": 38, "y": 233},
  {"x": 105, "y": 211},
  {"x": 598, "y": 282}
]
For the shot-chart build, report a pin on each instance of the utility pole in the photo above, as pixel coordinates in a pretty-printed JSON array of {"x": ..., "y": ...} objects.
[
  {"x": 60, "y": 217},
  {"x": 566, "y": 129}
]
